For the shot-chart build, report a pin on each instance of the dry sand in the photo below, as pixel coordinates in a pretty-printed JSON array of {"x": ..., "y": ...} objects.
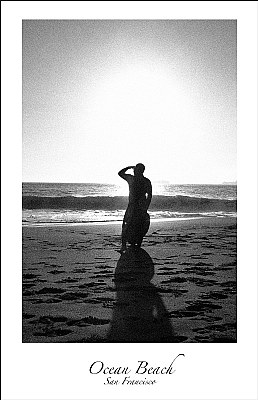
[{"x": 180, "y": 287}]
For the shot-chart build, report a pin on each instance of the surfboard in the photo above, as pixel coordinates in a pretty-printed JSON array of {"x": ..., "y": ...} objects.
[{"x": 137, "y": 228}]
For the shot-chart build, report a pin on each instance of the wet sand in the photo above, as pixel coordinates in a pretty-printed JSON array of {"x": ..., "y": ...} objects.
[{"x": 180, "y": 287}]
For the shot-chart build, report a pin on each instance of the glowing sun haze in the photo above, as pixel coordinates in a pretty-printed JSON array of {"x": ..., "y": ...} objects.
[{"x": 101, "y": 95}]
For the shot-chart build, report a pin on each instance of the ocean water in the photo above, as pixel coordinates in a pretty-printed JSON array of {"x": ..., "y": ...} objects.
[{"x": 66, "y": 203}]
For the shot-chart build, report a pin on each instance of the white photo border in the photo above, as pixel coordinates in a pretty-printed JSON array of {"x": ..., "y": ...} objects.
[{"x": 61, "y": 371}]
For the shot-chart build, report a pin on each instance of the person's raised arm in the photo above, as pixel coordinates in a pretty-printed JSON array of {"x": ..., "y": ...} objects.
[{"x": 123, "y": 174}]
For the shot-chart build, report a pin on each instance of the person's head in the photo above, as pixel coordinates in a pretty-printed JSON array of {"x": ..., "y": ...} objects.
[{"x": 139, "y": 169}]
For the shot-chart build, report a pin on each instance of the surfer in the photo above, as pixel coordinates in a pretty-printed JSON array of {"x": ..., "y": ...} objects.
[{"x": 136, "y": 219}]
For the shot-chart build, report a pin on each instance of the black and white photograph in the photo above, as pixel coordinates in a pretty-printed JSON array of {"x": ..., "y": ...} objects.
[
  {"x": 129, "y": 181},
  {"x": 129, "y": 200}
]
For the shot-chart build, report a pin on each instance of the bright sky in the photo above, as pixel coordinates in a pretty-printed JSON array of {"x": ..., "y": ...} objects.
[{"x": 101, "y": 95}]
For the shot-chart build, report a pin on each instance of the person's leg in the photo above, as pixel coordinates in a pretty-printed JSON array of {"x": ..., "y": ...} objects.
[
  {"x": 126, "y": 222},
  {"x": 141, "y": 229},
  {"x": 139, "y": 243},
  {"x": 123, "y": 237},
  {"x": 143, "y": 226}
]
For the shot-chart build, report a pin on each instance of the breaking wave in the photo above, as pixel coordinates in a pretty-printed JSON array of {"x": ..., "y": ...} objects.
[{"x": 158, "y": 203}]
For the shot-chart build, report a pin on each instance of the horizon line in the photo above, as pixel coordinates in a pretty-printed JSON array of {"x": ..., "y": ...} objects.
[{"x": 154, "y": 181}]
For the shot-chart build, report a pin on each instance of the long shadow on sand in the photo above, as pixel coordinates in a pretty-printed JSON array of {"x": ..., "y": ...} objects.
[{"x": 139, "y": 314}]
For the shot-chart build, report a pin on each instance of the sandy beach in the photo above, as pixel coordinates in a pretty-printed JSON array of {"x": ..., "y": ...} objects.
[{"x": 180, "y": 287}]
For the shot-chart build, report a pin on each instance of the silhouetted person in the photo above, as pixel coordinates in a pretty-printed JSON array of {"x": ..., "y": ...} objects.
[{"x": 136, "y": 220}]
